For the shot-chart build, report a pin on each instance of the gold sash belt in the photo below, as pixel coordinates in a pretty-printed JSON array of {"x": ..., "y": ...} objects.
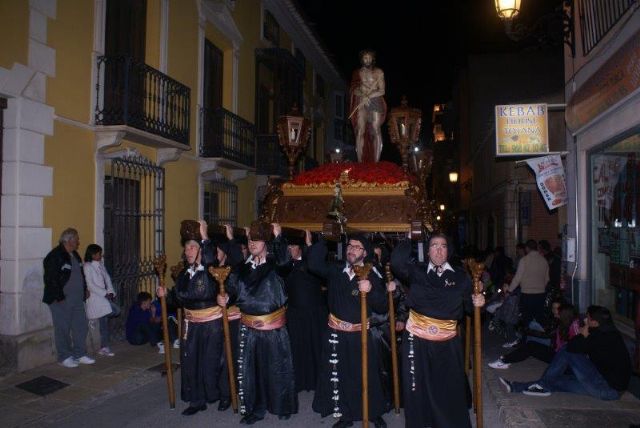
[
  {"x": 203, "y": 315},
  {"x": 233, "y": 313},
  {"x": 431, "y": 328},
  {"x": 265, "y": 322},
  {"x": 337, "y": 324}
]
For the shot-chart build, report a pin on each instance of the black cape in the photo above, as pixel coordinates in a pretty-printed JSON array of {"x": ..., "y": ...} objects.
[
  {"x": 434, "y": 381},
  {"x": 339, "y": 390},
  {"x": 265, "y": 367}
]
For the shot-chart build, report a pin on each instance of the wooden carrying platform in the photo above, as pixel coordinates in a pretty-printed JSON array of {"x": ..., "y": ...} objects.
[{"x": 368, "y": 208}]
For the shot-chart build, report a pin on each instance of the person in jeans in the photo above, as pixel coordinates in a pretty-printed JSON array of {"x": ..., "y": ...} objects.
[
  {"x": 100, "y": 303},
  {"x": 143, "y": 324},
  {"x": 532, "y": 276},
  {"x": 598, "y": 360},
  {"x": 65, "y": 291}
]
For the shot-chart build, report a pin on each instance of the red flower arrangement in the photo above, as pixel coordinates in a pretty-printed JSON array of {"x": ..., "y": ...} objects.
[{"x": 370, "y": 172}]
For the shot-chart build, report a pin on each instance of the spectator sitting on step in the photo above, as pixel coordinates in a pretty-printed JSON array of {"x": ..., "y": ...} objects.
[
  {"x": 564, "y": 328},
  {"x": 598, "y": 358},
  {"x": 143, "y": 323}
]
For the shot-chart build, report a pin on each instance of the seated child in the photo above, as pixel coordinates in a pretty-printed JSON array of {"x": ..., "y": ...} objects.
[{"x": 143, "y": 323}]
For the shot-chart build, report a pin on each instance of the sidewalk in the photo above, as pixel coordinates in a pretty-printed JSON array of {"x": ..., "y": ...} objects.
[
  {"x": 88, "y": 386},
  {"x": 558, "y": 410},
  {"x": 123, "y": 388}
]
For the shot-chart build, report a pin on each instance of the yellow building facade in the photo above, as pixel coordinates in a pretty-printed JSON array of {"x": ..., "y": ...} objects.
[{"x": 123, "y": 117}]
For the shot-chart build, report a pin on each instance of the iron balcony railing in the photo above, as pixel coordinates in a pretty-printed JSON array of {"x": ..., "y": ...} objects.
[
  {"x": 226, "y": 135},
  {"x": 597, "y": 17},
  {"x": 270, "y": 159},
  {"x": 135, "y": 94}
]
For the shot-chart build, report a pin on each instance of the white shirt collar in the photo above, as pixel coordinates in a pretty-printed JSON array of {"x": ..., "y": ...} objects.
[
  {"x": 191, "y": 271},
  {"x": 445, "y": 266},
  {"x": 254, "y": 263},
  {"x": 347, "y": 269}
]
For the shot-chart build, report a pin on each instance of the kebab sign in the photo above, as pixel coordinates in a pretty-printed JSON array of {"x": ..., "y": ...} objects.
[{"x": 522, "y": 129}]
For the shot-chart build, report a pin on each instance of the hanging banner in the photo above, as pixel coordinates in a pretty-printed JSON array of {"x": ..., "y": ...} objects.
[
  {"x": 522, "y": 129},
  {"x": 550, "y": 177},
  {"x": 606, "y": 170}
]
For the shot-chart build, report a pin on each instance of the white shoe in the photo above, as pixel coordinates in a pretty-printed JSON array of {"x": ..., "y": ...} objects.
[
  {"x": 69, "y": 363},
  {"x": 176, "y": 344},
  {"x": 160, "y": 346},
  {"x": 499, "y": 364},
  {"x": 85, "y": 360},
  {"x": 106, "y": 351},
  {"x": 511, "y": 344}
]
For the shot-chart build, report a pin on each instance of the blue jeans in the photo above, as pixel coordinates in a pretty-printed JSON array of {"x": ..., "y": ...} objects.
[{"x": 582, "y": 378}]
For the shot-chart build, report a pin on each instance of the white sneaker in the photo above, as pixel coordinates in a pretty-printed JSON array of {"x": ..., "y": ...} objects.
[
  {"x": 69, "y": 363},
  {"x": 160, "y": 346},
  {"x": 499, "y": 364},
  {"x": 537, "y": 390},
  {"x": 106, "y": 351},
  {"x": 511, "y": 344},
  {"x": 85, "y": 360},
  {"x": 176, "y": 344}
]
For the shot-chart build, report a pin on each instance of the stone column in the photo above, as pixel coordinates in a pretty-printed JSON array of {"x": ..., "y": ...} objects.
[{"x": 25, "y": 322}]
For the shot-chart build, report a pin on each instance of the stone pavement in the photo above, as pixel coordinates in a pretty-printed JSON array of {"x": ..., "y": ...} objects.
[
  {"x": 89, "y": 386},
  {"x": 122, "y": 391}
]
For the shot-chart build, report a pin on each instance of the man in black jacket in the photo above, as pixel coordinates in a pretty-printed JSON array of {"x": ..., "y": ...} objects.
[
  {"x": 65, "y": 292},
  {"x": 598, "y": 358}
]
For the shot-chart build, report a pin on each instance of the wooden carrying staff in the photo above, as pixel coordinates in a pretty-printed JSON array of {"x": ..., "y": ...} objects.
[
  {"x": 476, "y": 271},
  {"x": 394, "y": 352},
  {"x": 221, "y": 274},
  {"x": 160, "y": 263},
  {"x": 175, "y": 271},
  {"x": 362, "y": 272}
]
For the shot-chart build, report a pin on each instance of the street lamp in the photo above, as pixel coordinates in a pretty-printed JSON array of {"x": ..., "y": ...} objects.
[
  {"x": 293, "y": 135},
  {"x": 547, "y": 28},
  {"x": 442, "y": 207},
  {"x": 453, "y": 177},
  {"x": 507, "y": 9},
  {"x": 404, "y": 128}
]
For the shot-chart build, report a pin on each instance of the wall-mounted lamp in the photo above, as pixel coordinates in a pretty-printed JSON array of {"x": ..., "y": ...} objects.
[{"x": 544, "y": 28}]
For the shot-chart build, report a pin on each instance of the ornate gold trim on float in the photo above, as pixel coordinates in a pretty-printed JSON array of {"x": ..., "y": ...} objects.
[
  {"x": 348, "y": 189},
  {"x": 362, "y": 227}
]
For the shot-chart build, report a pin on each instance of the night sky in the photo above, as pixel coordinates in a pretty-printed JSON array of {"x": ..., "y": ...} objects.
[{"x": 438, "y": 34}]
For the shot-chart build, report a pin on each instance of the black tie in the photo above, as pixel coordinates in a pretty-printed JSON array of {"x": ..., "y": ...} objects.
[{"x": 439, "y": 269}]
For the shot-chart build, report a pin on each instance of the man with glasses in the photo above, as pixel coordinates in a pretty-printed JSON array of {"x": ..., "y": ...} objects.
[
  {"x": 433, "y": 378},
  {"x": 339, "y": 390}
]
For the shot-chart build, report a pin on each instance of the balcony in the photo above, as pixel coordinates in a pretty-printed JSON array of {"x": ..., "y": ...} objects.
[
  {"x": 149, "y": 106},
  {"x": 270, "y": 159},
  {"x": 227, "y": 138}
]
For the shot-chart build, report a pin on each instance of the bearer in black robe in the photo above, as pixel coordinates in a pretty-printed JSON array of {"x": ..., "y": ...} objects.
[
  {"x": 434, "y": 383},
  {"x": 265, "y": 368},
  {"x": 202, "y": 342},
  {"x": 339, "y": 390},
  {"x": 306, "y": 313}
]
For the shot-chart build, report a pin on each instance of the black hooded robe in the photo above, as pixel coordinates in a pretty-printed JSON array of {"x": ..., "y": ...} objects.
[
  {"x": 339, "y": 392},
  {"x": 306, "y": 321},
  {"x": 202, "y": 349},
  {"x": 265, "y": 368},
  {"x": 435, "y": 390}
]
